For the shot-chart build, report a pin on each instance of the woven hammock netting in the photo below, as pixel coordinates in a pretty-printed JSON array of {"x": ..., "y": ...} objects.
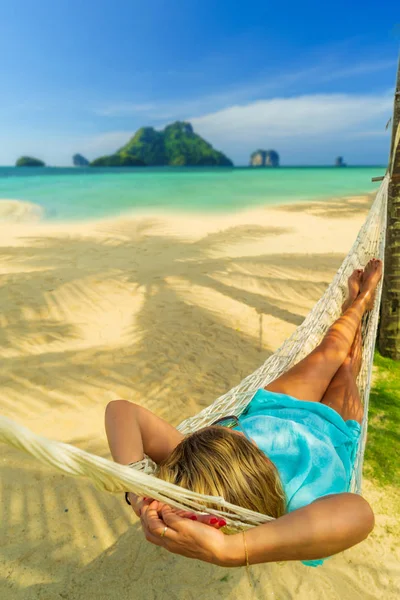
[{"x": 112, "y": 477}]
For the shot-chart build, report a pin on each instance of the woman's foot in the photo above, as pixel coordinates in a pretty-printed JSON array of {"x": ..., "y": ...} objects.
[
  {"x": 354, "y": 283},
  {"x": 369, "y": 281}
]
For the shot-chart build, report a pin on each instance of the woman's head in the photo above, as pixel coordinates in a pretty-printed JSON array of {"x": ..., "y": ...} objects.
[{"x": 216, "y": 461}]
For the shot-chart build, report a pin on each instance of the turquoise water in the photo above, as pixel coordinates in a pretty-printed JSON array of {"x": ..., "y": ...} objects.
[{"x": 85, "y": 193}]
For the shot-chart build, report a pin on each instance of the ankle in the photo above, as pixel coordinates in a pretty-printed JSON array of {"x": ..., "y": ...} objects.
[
  {"x": 364, "y": 298},
  {"x": 345, "y": 306}
]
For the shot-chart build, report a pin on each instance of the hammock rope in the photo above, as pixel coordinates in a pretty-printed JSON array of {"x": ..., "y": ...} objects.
[{"x": 112, "y": 477}]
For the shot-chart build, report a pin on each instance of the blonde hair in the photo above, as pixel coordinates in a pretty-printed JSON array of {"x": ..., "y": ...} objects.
[{"x": 215, "y": 461}]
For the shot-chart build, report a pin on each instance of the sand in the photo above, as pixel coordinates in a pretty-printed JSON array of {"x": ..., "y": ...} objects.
[{"x": 169, "y": 312}]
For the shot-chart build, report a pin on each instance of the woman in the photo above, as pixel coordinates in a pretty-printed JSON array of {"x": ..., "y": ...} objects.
[{"x": 290, "y": 456}]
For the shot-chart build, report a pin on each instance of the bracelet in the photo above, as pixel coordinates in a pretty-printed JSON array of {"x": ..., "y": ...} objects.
[
  {"x": 127, "y": 499},
  {"x": 246, "y": 554}
]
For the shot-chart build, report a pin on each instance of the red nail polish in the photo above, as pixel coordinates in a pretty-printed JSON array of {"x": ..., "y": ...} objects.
[
  {"x": 221, "y": 523},
  {"x": 194, "y": 518},
  {"x": 213, "y": 521}
]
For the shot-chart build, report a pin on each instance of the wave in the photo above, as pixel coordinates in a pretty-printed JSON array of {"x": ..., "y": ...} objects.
[{"x": 19, "y": 211}]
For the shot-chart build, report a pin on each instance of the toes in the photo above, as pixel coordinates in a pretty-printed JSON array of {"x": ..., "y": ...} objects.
[{"x": 354, "y": 278}]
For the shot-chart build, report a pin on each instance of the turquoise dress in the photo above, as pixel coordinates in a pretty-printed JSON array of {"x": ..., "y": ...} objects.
[{"x": 313, "y": 448}]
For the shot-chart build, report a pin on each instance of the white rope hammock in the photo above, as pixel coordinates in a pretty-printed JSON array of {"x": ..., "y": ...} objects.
[{"x": 112, "y": 477}]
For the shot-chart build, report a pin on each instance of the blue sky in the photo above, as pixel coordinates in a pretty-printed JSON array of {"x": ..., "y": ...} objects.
[{"x": 310, "y": 79}]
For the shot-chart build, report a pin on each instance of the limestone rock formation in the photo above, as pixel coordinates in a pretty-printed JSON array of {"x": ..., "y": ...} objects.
[
  {"x": 264, "y": 158},
  {"x": 80, "y": 161}
]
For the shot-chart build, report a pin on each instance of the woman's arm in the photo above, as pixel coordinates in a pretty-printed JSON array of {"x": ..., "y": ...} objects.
[
  {"x": 327, "y": 526},
  {"x": 133, "y": 431}
]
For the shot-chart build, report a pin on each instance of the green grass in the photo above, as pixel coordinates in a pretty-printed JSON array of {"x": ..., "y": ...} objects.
[{"x": 382, "y": 462}]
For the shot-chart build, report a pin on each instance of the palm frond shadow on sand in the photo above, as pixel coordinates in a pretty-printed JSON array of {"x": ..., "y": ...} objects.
[
  {"x": 169, "y": 342},
  {"x": 177, "y": 352}
]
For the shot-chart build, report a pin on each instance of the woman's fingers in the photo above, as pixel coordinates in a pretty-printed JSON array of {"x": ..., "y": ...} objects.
[
  {"x": 212, "y": 521},
  {"x": 170, "y": 516},
  {"x": 165, "y": 528},
  {"x": 153, "y": 523},
  {"x": 168, "y": 513},
  {"x": 162, "y": 509}
]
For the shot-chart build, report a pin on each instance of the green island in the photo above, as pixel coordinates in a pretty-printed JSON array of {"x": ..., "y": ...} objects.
[
  {"x": 176, "y": 145},
  {"x": 29, "y": 161},
  {"x": 120, "y": 159}
]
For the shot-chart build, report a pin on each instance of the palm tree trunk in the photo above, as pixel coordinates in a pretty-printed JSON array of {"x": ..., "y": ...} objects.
[{"x": 389, "y": 333}]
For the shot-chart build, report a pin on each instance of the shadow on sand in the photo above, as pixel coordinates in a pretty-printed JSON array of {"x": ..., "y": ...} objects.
[{"x": 174, "y": 353}]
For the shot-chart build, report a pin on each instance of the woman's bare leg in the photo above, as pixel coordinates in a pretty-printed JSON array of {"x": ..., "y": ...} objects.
[
  {"x": 342, "y": 394},
  {"x": 310, "y": 378}
]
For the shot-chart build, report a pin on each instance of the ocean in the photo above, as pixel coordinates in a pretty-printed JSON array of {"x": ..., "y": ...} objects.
[{"x": 88, "y": 193}]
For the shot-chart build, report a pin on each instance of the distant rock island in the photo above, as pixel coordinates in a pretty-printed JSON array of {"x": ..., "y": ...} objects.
[
  {"x": 80, "y": 161},
  {"x": 264, "y": 158},
  {"x": 29, "y": 161},
  {"x": 176, "y": 145},
  {"x": 339, "y": 162}
]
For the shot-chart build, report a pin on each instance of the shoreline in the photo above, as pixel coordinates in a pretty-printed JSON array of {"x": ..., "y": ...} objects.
[
  {"x": 14, "y": 211},
  {"x": 171, "y": 168}
]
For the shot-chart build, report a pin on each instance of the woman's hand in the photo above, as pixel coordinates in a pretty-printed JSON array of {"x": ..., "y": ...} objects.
[{"x": 184, "y": 536}]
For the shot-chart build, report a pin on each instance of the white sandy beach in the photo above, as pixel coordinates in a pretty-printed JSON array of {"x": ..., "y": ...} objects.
[{"x": 169, "y": 312}]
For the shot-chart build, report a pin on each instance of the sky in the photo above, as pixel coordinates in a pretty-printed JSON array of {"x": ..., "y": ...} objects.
[{"x": 312, "y": 80}]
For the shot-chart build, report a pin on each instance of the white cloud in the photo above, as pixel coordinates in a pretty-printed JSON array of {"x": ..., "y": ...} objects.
[
  {"x": 310, "y": 129},
  {"x": 306, "y": 116},
  {"x": 265, "y": 84}
]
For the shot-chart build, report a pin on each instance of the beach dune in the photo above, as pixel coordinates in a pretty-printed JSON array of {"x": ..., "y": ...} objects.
[{"x": 168, "y": 311}]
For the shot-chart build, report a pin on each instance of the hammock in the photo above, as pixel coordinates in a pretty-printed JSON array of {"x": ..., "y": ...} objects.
[{"x": 112, "y": 477}]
